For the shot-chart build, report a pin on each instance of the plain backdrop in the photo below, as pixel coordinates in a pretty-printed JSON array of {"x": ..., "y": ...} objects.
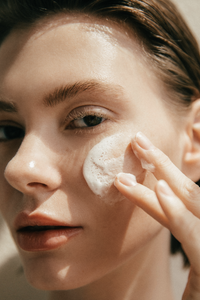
[{"x": 13, "y": 285}]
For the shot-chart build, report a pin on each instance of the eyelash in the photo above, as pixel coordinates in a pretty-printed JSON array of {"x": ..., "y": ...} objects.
[{"x": 76, "y": 115}]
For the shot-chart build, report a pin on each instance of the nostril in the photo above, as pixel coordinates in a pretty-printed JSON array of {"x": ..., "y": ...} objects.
[{"x": 35, "y": 184}]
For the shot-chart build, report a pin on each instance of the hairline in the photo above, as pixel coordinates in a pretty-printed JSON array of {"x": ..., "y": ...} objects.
[{"x": 128, "y": 33}]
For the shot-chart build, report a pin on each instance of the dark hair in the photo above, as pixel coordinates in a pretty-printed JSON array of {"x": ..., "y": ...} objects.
[{"x": 168, "y": 42}]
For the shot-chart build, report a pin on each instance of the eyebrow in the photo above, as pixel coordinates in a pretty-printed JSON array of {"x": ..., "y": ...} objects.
[
  {"x": 60, "y": 95},
  {"x": 7, "y": 106}
]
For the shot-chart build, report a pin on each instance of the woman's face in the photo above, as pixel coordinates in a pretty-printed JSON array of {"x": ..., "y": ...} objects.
[{"x": 53, "y": 78}]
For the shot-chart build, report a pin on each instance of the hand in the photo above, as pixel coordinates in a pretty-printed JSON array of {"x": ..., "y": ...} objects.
[{"x": 175, "y": 204}]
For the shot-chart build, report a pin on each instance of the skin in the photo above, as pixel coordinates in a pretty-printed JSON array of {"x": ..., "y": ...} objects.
[
  {"x": 175, "y": 204},
  {"x": 121, "y": 248}
]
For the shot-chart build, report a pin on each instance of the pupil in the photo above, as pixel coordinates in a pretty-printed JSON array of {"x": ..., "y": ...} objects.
[
  {"x": 92, "y": 120},
  {"x": 12, "y": 132}
]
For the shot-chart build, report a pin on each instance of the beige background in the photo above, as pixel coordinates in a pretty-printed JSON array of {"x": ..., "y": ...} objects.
[{"x": 13, "y": 285}]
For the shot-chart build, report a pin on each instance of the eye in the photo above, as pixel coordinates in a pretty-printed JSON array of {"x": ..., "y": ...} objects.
[
  {"x": 87, "y": 117},
  {"x": 88, "y": 121},
  {"x": 8, "y": 133}
]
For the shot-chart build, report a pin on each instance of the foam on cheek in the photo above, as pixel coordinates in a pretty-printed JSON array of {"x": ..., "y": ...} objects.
[
  {"x": 100, "y": 167},
  {"x": 105, "y": 160}
]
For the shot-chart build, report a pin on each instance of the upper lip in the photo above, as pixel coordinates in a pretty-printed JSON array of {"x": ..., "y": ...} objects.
[{"x": 25, "y": 219}]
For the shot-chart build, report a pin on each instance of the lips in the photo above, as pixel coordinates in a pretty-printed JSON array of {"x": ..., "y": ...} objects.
[{"x": 38, "y": 232}]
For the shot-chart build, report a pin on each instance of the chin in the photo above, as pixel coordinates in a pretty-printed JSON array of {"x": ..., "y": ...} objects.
[
  {"x": 51, "y": 279},
  {"x": 51, "y": 274}
]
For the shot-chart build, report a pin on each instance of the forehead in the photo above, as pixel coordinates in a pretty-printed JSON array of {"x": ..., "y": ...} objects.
[
  {"x": 66, "y": 48},
  {"x": 58, "y": 30},
  {"x": 60, "y": 51}
]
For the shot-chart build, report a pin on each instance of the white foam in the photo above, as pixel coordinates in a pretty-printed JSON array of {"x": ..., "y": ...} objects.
[
  {"x": 147, "y": 166},
  {"x": 102, "y": 164}
]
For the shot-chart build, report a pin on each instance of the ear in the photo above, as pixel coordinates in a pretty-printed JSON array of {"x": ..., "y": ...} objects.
[{"x": 192, "y": 154}]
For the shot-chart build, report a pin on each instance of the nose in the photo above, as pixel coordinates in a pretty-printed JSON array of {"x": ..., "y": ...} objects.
[{"x": 33, "y": 168}]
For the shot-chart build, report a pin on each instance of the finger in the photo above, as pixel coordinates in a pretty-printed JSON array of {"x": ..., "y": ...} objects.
[
  {"x": 183, "y": 224},
  {"x": 141, "y": 196},
  {"x": 192, "y": 290},
  {"x": 161, "y": 166}
]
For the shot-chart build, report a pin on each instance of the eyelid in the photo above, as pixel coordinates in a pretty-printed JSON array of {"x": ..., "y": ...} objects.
[
  {"x": 84, "y": 111},
  {"x": 10, "y": 123}
]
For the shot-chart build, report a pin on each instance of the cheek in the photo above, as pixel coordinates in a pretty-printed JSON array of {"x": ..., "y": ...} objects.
[
  {"x": 7, "y": 193},
  {"x": 105, "y": 160}
]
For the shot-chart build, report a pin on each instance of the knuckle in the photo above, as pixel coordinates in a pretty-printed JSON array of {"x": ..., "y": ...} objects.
[
  {"x": 146, "y": 194},
  {"x": 192, "y": 191},
  {"x": 192, "y": 232},
  {"x": 188, "y": 231},
  {"x": 179, "y": 217},
  {"x": 162, "y": 160}
]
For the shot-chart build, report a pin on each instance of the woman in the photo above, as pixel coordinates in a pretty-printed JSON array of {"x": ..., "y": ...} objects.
[{"x": 89, "y": 199}]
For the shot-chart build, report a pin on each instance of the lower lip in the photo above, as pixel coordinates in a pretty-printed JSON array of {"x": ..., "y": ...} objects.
[{"x": 45, "y": 240}]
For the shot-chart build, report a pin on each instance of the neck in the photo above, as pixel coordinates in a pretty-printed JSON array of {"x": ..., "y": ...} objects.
[{"x": 145, "y": 276}]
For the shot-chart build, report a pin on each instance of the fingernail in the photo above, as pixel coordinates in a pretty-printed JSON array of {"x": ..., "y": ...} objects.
[
  {"x": 143, "y": 141},
  {"x": 127, "y": 179},
  {"x": 164, "y": 188}
]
